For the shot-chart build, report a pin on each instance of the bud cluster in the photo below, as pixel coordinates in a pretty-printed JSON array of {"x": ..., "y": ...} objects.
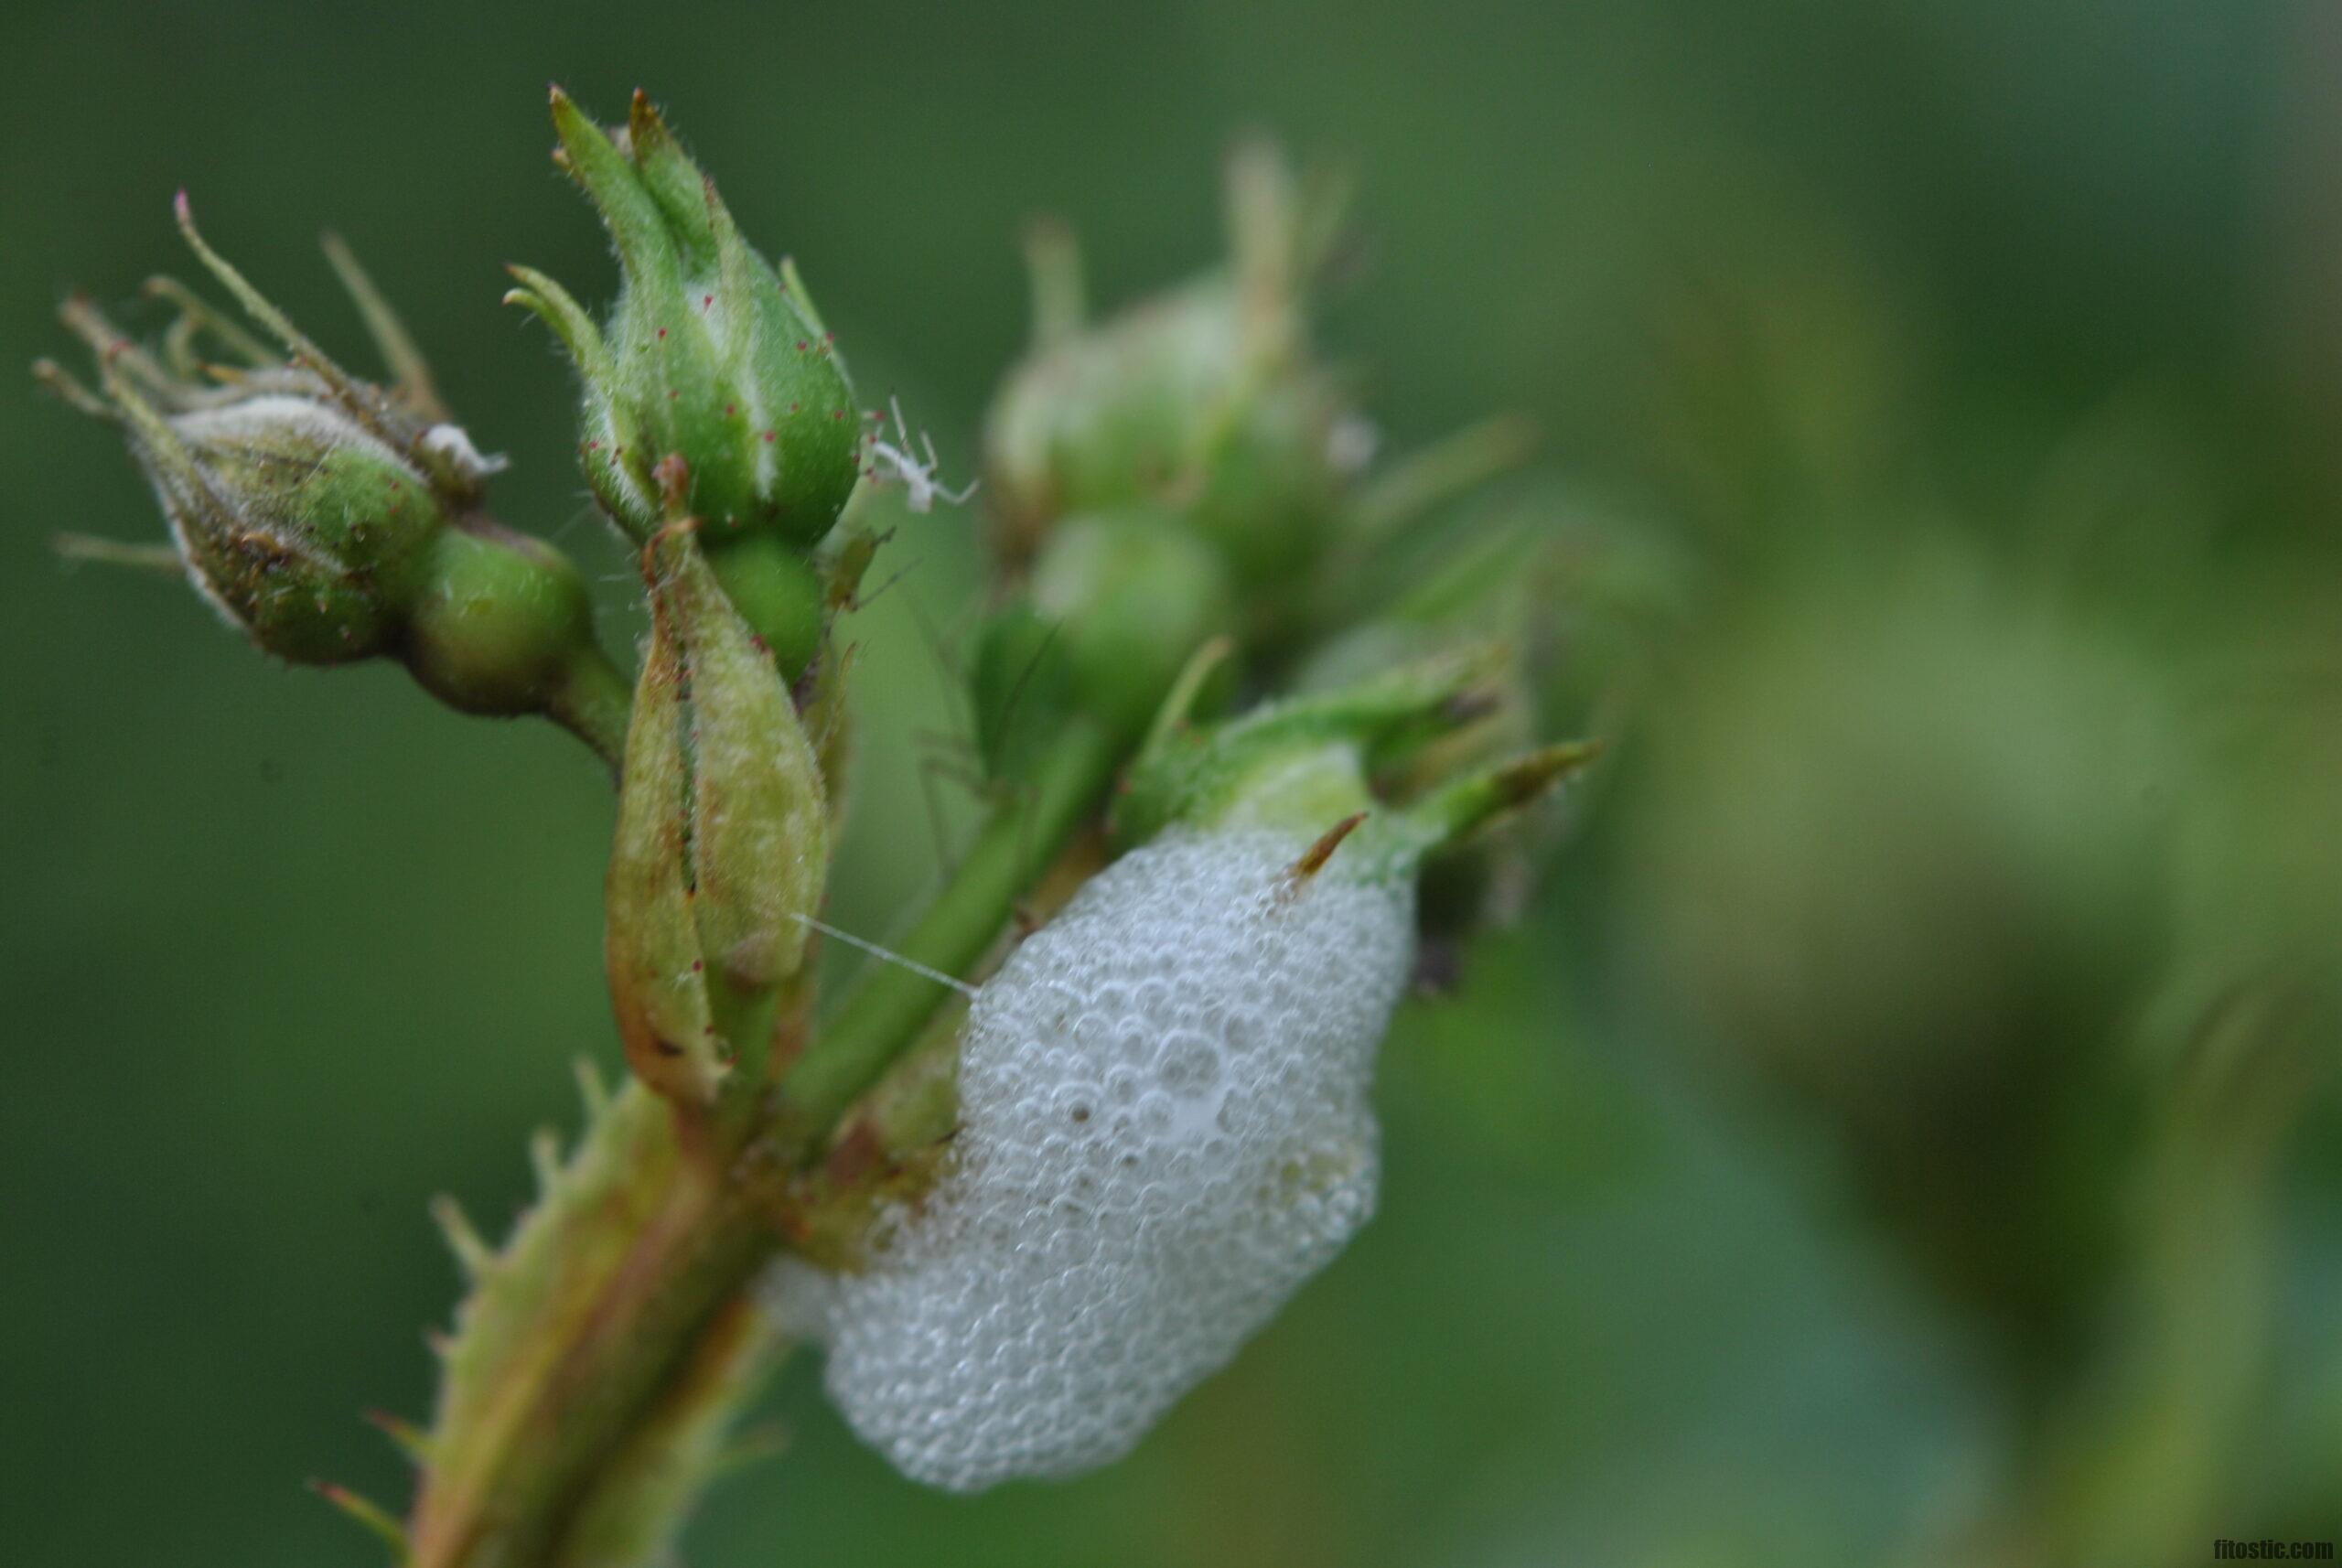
[
  {"x": 1161, "y": 1098},
  {"x": 1204, "y": 401},
  {"x": 1184, "y": 470},
  {"x": 331, "y": 519}
]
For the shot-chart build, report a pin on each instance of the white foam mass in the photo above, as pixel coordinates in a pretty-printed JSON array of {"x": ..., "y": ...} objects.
[{"x": 1164, "y": 1130}]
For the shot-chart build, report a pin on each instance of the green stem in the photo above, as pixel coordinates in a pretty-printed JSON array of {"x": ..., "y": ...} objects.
[
  {"x": 886, "y": 1011},
  {"x": 662, "y": 1278},
  {"x": 650, "y": 1290},
  {"x": 592, "y": 702}
]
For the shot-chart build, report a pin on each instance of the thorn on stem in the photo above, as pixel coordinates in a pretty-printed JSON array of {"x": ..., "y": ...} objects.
[
  {"x": 591, "y": 1088},
  {"x": 410, "y": 1439},
  {"x": 473, "y": 1253},
  {"x": 372, "y": 1516},
  {"x": 544, "y": 1158}
]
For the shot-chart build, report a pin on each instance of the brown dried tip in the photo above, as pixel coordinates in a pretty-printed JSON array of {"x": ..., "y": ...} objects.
[
  {"x": 655, "y": 571},
  {"x": 1541, "y": 770},
  {"x": 643, "y": 123},
  {"x": 1318, "y": 854},
  {"x": 409, "y": 1438}
]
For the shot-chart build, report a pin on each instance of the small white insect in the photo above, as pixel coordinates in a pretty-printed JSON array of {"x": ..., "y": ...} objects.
[
  {"x": 898, "y": 462},
  {"x": 453, "y": 443}
]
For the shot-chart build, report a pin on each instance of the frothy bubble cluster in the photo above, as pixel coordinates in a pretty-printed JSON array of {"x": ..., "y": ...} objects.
[{"x": 1165, "y": 1130}]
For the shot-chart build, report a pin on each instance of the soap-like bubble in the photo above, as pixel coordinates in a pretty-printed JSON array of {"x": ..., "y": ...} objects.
[{"x": 1164, "y": 1130}]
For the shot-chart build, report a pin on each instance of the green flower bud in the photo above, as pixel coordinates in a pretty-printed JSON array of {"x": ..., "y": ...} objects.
[
  {"x": 300, "y": 526},
  {"x": 778, "y": 592},
  {"x": 299, "y": 497},
  {"x": 332, "y": 520},
  {"x": 1203, "y": 399},
  {"x": 499, "y": 622},
  {"x": 710, "y": 354},
  {"x": 722, "y": 845},
  {"x": 1117, "y": 603}
]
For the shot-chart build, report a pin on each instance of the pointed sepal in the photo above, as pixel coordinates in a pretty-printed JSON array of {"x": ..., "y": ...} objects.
[
  {"x": 710, "y": 355},
  {"x": 1307, "y": 760}
]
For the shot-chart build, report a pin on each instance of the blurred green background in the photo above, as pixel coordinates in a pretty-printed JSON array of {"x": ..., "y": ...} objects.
[{"x": 1903, "y": 1128}]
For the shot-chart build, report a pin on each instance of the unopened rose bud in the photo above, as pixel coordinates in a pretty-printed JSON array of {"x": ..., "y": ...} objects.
[
  {"x": 1115, "y": 606},
  {"x": 300, "y": 526},
  {"x": 501, "y": 624},
  {"x": 722, "y": 845},
  {"x": 710, "y": 355},
  {"x": 329, "y": 518},
  {"x": 1203, "y": 399}
]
